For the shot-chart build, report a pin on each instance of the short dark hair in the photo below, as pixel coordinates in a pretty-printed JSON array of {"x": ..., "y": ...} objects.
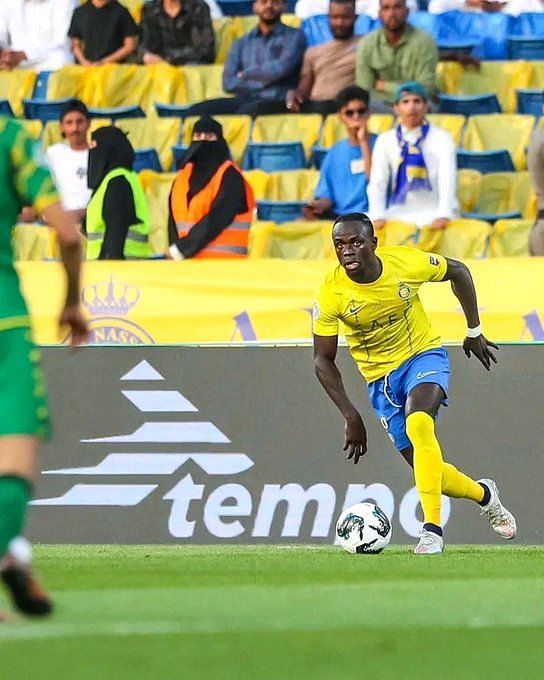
[
  {"x": 73, "y": 105},
  {"x": 349, "y": 93},
  {"x": 360, "y": 218},
  {"x": 343, "y": 2}
]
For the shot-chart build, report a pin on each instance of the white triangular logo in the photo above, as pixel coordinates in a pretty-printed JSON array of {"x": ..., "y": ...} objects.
[{"x": 143, "y": 371}]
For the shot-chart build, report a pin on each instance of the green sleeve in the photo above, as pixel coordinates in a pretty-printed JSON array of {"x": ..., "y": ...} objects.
[
  {"x": 364, "y": 75},
  {"x": 426, "y": 66}
]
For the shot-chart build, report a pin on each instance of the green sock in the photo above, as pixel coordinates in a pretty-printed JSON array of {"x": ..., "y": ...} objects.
[{"x": 14, "y": 497}]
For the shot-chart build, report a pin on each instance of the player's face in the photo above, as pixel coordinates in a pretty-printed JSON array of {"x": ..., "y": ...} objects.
[
  {"x": 353, "y": 246},
  {"x": 74, "y": 127},
  {"x": 393, "y": 14},
  {"x": 342, "y": 19},
  {"x": 411, "y": 110},
  {"x": 269, "y": 11}
]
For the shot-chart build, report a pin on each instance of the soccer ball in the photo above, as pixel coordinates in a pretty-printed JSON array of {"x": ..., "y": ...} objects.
[{"x": 363, "y": 528}]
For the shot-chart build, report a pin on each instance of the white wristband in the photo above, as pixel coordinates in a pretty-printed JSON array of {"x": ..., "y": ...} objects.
[
  {"x": 175, "y": 253},
  {"x": 474, "y": 332}
]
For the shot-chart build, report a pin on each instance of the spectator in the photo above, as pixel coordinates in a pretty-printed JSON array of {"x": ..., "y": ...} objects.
[
  {"x": 394, "y": 54},
  {"x": 346, "y": 167},
  {"x": 68, "y": 160},
  {"x": 102, "y": 32},
  {"x": 211, "y": 204},
  {"x": 535, "y": 163},
  {"x": 418, "y": 161},
  {"x": 304, "y": 9},
  {"x": 117, "y": 223},
  {"x": 513, "y": 7},
  {"x": 260, "y": 67},
  {"x": 178, "y": 32},
  {"x": 33, "y": 34},
  {"x": 327, "y": 68}
]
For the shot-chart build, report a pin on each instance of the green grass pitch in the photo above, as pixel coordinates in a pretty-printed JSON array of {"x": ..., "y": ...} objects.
[{"x": 282, "y": 612}]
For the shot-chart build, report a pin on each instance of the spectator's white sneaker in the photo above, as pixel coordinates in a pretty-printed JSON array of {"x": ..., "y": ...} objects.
[
  {"x": 501, "y": 519},
  {"x": 429, "y": 544}
]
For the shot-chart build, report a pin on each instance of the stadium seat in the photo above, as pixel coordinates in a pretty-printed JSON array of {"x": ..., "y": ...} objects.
[
  {"x": 157, "y": 188},
  {"x": 304, "y": 128},
  {"x": 236, "y": 130},
  {"x": 15, "y": 86},
  {"x": 258, "y": 181},
  {"x": 170, "y": 110},
  {"x": 178, "y": 151},
  {"x": 396, "y": 233},
  {"x": 465, "y": 238},
  {"x": 279, "y": 211},
  {"x": 41, "y": 85},
  {"x": 530, "y": 49},
  {"x": 530, "y": 102},
  {"x": 510, "y": 238},
  {"x": 292, "y": 185},
  {"x": 529, "y": 24},
  {"x": 493, "y": 132},
  {"x": 523, "y": 197},
  {"x": 468, "y": 188},
  {"x": 117, "y": 112},
  {"x": 364, "y": 24},
  {"x": 225, "y": 35},
  {"x": 39, "y": 109},
  {"x": 450, "y": 122},
  {"x": 291, "y": 240},
  {"x": 202, "y": 82},
  {"x": 234, "y": 8},
  {"x": 425, "y": 22},
  {"x": 488, "y": 31},
  {"x": 469, "y": 106},
  {"x": 147, "y": 159},
  {"x": 317, "y": 30},
  {"x": 33, "y": 127},
  {"x": 5, "y": 108},
  {"x": 135, "y": 8},
  {"x": 485, "y": 161},
  {"x": 318, "y": 156},
  {"x": 272, "y": 157},
  {"x": 160, "y": 134}
]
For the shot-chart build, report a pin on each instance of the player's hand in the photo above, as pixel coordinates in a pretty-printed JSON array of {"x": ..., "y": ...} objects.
[
  {"x": 480, "y": 348},
  {"x": 355, "y": 443},
  {"x": 73, "y": 318}
]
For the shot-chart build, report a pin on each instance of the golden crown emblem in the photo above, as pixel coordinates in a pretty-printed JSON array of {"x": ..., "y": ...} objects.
[{"x": 110, "y": 298}]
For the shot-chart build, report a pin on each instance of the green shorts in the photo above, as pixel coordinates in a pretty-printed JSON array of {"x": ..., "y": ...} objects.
[{"x": 23, "y": 397}]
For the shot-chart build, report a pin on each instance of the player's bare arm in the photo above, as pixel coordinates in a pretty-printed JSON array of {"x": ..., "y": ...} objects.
[
  {"x": 70, "y": 248},
  {"x": 326, "y": 370},
  {"x": 463, "y": 288}
]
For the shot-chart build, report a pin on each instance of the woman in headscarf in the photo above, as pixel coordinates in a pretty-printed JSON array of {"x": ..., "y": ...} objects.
[
  {"x": 117, "y": 223},
  {"x": 211, "y": 204}
]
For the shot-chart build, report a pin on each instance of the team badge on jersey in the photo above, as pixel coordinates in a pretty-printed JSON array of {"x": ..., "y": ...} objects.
[{"x": 404, "y": 291}]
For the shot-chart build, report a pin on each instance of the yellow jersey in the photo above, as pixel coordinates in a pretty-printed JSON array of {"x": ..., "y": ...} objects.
[{"x": 384, "y": 321}]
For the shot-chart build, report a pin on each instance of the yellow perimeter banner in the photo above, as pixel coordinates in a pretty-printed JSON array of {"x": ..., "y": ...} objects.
[{"x": 195, "y": 301}]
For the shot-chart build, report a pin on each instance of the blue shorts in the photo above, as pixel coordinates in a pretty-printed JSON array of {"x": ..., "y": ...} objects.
[{"x": 388, "y": 395}]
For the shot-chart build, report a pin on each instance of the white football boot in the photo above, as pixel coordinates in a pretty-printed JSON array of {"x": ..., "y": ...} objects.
[
  {"x": 502, "y": 520},
  {"x": 429, "y": 544}
]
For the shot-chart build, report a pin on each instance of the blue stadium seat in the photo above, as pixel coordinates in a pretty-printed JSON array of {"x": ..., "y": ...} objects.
[
  {"x": 40, "y": 109},
  {"x": 118, "y": 112},
  {"x": 146, "y": 159},
  {"x": 492, "y": 217},
  {"x": 170, "y": 110},
  {"x": 488, "y": 31},
  {"x": 5, "y": 108},
  {"x": 485, "y": 161},
  {"x": 531, "y": 102},
  {"x": 425, "y": 22},
  {"x": 364, "y": 24},
  {"x": 318, "y": 156},
  {"x": 528, "y": 24},
  {"x": 279, "y": 211},
  {"x": 469, "y": 106},
  {"x": 272, "y": 157},
  {"x": 40, "y": 86},
  {"x": 178, "y": 150},
  {"x": 317, "y": 30},
  {"x": 236, "y": 8},
  {"x": 528, "y": 49}
]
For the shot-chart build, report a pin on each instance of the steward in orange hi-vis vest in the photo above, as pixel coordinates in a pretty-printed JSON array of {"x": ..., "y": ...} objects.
[{"x": 211, "y": 204}]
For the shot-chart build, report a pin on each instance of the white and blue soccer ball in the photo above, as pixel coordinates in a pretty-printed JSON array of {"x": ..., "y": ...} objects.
[{"x": 363, "y": 528}]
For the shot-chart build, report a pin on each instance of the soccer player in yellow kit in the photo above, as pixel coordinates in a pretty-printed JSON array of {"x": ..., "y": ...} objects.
[{"x": 375, "y": 296}]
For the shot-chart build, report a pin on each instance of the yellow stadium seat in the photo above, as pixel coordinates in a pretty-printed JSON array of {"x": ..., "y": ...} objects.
[
  {"x": 523, "y": 196},
  {"x": 451, "y": 122},
  {"x": 15, "y": 86},
  {"x": 291, "y": 240},
  {"x": 225, "y": 35},
  {"x": 303, "y": 128},
  {"x": 69, "y": 81},
  {"x": 167, "y": 85},
  {"x": 460, "y": 240},
  {"x": 204, "y": 82},
  {"x": 496, "y": 193},
  {"x": 157, "y": 187},
  {"x": 468, "y": 189},
  {"x": 501, "y": 77},
  {"x": 33, "y": 127},
  {"x": 134, "y": 7},
  {"x": 51, "y": 132},
  {"x": 334, "y": 130},
  {"x": 510, "y": 238},
  {"x": 500, "y": 131},
  {"x": 33, "y": 242},
  {"x": 397, "y": 233},
  {"x": 258, "y": 180},
  {"x": 292, "y": 185},
  {"x": 159, "y": 133},
  {"x": 236, "y": 131}
]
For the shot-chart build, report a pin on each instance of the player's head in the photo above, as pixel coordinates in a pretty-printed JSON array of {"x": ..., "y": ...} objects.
[
  {"x": 74, "y": 123},
  {"x": 411, "y": 104},
  {"x": 354, "y": 241},
  {"x": 393, "y": 15},
  {"x": 342, "y": 18}
]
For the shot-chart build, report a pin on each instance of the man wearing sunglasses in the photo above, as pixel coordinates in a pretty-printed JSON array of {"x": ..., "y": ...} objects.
[{"x": 346, "y": 167}]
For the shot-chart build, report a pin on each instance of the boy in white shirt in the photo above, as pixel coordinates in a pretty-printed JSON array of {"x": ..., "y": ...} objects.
[{"x": 413, "y": 176}]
